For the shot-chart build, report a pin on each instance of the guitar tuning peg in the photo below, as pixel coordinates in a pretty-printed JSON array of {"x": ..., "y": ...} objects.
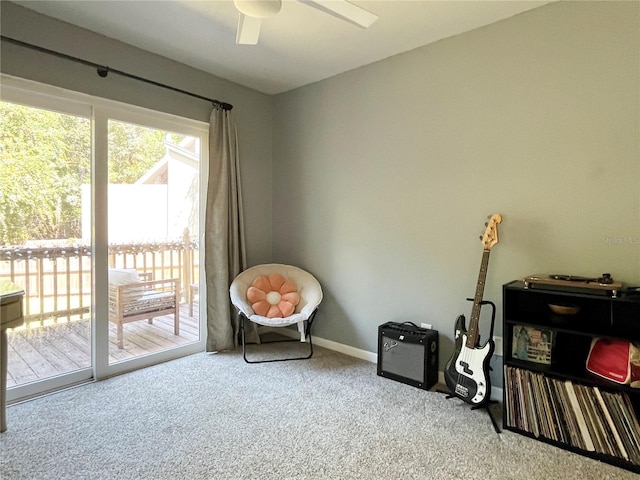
[
  {"x": 480, "y": 237},
  {"x": 488, "y": 217},
  {"x": 486, "y": 224}
]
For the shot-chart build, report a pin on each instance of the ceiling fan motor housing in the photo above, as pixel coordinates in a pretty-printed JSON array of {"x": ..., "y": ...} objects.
[{"x": 258, "y": 8}]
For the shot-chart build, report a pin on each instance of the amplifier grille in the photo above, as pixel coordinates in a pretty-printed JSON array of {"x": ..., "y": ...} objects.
[{"x": 403, "y": 358}]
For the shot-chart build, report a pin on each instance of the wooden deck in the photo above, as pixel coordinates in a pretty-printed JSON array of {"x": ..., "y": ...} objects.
[{"x": 37, "y": 353}]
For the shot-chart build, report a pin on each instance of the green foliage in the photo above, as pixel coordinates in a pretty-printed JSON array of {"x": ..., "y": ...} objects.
[
  {"x": 133, "y": 150},
  {"x": 45, "y": 158}
]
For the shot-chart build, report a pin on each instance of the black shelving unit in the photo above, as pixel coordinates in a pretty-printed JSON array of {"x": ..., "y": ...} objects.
[{"x": 535, "y": 388}]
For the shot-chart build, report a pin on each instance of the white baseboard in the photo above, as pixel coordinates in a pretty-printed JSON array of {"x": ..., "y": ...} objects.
[
  {"x": 328, "y": 344},
  {"x": 346, "y": 349},
  {"x": 496, "y": 393}
]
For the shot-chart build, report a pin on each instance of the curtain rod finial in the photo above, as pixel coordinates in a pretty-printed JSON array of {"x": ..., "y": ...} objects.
[{"x": 222, "y": 105}]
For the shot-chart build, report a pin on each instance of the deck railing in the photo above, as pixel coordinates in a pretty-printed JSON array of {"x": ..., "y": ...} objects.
[{"x": 57, "y": 279}]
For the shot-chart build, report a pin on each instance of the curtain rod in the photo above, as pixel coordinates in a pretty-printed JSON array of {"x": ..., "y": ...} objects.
[{"x": 103, "y": 71}]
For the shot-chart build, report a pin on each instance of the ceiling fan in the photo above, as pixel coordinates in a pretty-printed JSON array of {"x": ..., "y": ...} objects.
[{"x": 253, "y": 11}]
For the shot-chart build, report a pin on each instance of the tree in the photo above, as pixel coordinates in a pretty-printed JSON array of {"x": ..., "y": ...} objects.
[
  {"x": 45, "y": 158},
  {"x": 133, "y": 150},
  {"x": 42, "y": 154}
]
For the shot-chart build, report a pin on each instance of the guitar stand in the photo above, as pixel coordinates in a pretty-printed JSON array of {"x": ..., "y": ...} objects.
[
  {"x": 486, "y": 404},
  {"x": 496, "y": 427}
]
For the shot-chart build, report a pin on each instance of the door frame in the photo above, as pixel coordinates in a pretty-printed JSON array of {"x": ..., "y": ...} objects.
[{"x": 99, "y": 111}]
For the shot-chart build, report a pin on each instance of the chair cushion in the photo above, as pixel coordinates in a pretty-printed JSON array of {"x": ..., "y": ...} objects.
[
  {"x": 308, "y": 287},
  {"x": 273, "y": 296},
  {"x": 123, "y": 276}
]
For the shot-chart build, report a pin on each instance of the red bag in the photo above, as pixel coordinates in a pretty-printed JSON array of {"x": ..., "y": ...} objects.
[{"x": 610, "y": 359}]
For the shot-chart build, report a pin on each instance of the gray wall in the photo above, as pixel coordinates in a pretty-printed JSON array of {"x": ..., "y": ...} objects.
[
  {"x": 383, "y": 175},
  {"x": 252, "y": 110}
]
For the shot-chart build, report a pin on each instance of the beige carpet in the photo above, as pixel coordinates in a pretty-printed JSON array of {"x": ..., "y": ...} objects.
[{"x": 215, "y": 417}]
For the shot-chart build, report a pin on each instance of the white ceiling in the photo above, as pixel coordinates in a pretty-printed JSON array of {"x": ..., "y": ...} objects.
[{"x": 300, "y": 45}]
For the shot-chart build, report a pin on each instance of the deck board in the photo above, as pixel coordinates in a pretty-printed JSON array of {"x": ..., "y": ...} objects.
[
  {"x": 60, "y": 355},
  {"x": 42, "y": 352},
  {"x": 18, "y": 371},
  {"x": 30, "y": 350}
]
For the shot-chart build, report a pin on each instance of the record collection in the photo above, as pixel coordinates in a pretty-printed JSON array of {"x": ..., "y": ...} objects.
[{"x": 585, "y": 417}]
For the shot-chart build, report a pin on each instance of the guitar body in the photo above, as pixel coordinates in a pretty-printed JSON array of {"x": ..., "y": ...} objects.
[{"x": 466, "y": 372}]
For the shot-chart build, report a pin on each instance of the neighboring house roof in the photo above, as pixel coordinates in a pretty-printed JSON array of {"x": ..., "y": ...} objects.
[{"x": 185, "y": 152}]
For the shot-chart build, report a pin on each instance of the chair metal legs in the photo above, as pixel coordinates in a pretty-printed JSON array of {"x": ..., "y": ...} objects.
[{"x": 243, "y": 318}]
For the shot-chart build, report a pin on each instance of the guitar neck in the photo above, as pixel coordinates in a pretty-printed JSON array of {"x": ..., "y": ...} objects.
[{"x": 473, "y": 334}]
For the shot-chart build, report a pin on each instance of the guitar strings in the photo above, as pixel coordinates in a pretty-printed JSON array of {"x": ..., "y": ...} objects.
[
  {"x": 466, "y": 355},
  {"x": 464, "y": 359}
]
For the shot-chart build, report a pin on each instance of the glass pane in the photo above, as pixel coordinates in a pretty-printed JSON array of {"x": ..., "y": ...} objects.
[
  {"x": 45, "y": 162},
  {"x": 153, "y": 231}
]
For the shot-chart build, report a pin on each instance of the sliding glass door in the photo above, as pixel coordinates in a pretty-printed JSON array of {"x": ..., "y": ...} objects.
[
  {"x": 45, "y": 159},
  {"x": 99, "y": 224},
  {"x": 153, "y": 203}
]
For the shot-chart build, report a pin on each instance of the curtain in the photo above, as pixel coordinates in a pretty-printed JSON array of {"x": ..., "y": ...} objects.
[{"x": 224, "y": 242}]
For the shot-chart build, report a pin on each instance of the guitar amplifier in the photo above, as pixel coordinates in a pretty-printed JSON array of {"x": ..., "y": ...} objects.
[{"x": 408, "y": 354}]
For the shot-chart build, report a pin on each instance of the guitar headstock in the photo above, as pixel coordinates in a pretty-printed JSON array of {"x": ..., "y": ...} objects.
[{"x": 490, "y": 237}]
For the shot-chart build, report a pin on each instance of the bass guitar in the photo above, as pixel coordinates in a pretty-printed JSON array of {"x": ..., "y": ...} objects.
[{"x": 467, "y": 371}]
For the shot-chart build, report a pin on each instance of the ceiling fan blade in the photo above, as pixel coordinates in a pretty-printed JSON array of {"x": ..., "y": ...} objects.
[
  {"x": 248, "y": 30},
  {"x": 344, "y": 10}
]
